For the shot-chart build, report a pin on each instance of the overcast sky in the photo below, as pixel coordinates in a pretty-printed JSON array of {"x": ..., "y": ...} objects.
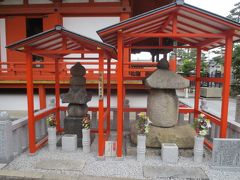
[{"x": 221, "y": 7}]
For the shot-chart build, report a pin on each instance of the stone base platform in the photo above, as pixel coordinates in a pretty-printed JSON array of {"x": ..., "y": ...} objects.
[
  {"x": 131, "y": 150},
  {"x": 182, "y": 135},
  {"x": 73, "y": 125}
]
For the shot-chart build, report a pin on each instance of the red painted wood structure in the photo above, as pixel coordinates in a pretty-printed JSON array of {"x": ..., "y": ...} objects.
[
  {"x": 189, "y": 25},
  {"x": 57, "y": 43}
]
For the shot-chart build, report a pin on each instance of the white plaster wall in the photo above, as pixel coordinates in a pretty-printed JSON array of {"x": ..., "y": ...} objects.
[
  {"x": 39, "y": 2},
  {"x": 107, "y": 0},
  {"x": 19, "y": 101},
  {"x": 88, "y": 26},
  {"x": 3, "y": 50},
  {"x": 75, "y": 1},
  {"x": 11, "y": 2}
]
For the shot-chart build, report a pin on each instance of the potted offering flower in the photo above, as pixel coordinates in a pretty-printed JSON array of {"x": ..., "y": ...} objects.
[
  {"x": 86, "y": 133},
  {"x": 143, "y": 123},
  {"x": 52, "y": 138},
  {"x": 201, "y": 125}
]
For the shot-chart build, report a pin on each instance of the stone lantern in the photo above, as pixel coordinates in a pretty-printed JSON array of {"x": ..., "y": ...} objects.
[{"x": 162, "y": 109}]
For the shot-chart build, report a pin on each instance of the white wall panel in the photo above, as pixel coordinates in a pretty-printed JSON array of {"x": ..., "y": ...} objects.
[
  {"x": 107, "y": 0},
  {"x": 75, "y": 1},
  {"x": 3, "y": 50},
  {"x": 88, "y": 26},
  {"x": 11, "y": 2},
  {"x": 39, "y": 2}
]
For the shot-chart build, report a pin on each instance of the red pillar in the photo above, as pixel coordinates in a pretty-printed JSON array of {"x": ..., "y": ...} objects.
[
  {"x": 120, "y": 95},
  {"x": 173, "y": 63},
  {"x": 57, "y": 94},
  {"x": 101, "y": 141},
  {"x": 30, "y": 93},
  {"x": 197, "y": 82},
  {"x": 108, "y": 94},
  {"x": 42, "y": 96},
  {"x": 226, "y": 86}
]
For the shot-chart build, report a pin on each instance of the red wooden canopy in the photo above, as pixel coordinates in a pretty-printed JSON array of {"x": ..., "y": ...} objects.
[
  {"x": 189, "y": 25},
  {"x": 179, "y": 21},
  {"x": 57, "y": 43},
  {"x": 50, "y": 43}
]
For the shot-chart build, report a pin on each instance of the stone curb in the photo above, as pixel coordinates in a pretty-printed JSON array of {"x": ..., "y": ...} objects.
[{"x": 30, "y": 175}]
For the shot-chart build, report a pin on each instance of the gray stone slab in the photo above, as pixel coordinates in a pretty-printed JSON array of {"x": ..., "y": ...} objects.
[
  {"x": 226, "y": 152},
  {"x": 174, "y": 172},
  {"x": 71, "y": 165},
  {"x": 6, "y": 141},
  {"x": 19, "y": 175}
]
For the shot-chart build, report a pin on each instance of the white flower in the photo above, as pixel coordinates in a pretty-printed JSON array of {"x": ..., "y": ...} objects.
[
  {"x": 203, "y": 133},
  {"x": 202, "y": 115}
]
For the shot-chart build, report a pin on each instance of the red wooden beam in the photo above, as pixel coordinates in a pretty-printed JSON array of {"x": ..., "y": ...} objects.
[
  {"x": 203, "y": 35},
  {"x": 64, "y": 10},
  {"x": 31, "y": 121},
  {"x": 210, "y": 17},
  {"x": 57, "y": 94},
  {"x": 170, "y": 18},
  {"x": 160, "y": 47},
  {"x": 101, "y": 140},
  {"x": 197, "y": 86},
  {"x": 134, "y": 23},
  {"x": 42, "y": 97},
  {"x": 120, "y": 95},
  {"x": 226, "y": 86}
]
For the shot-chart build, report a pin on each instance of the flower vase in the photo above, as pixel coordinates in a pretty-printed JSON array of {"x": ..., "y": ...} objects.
[
  {"x": 198, "y": 149},
  {"x": 86, "y": 140},
  {"x": 141, "y": 147},
  {"x": 52, "y": 138}
]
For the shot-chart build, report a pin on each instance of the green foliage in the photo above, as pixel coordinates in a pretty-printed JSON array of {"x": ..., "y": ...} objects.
[
  {"x": 236, "y": 70},
  {"x": 188, "y": 66},
  {"x": 235, "y": 13},
  {"x": 188, "y": 57},
  {"x": 219, "y": 58}
]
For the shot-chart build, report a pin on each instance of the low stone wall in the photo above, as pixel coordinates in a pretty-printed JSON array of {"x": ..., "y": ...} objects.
[
  {"x": 211, "y": 92},
  {"x": 14, "y": 135}
]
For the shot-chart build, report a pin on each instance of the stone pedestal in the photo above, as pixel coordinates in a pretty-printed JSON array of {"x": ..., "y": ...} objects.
[
  {"x": 169, "y": 153},
  {"x": 73, "y": 125},
  {"x": 69, "y": 142},
  {"x": 181, "y": 135}
]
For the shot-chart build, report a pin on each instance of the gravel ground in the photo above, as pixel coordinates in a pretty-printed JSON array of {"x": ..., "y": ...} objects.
[{"x": 127, "y": 167}]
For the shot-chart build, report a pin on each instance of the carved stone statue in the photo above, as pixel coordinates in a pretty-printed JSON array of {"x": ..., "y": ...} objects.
[{"x": 77, "y": 97}]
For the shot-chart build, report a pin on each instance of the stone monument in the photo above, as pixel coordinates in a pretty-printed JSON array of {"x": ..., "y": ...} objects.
[
  {"x": 162, "y": 109},
  {"x": 226, "y": 153},
  {"x": 77, "y": 97}
]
